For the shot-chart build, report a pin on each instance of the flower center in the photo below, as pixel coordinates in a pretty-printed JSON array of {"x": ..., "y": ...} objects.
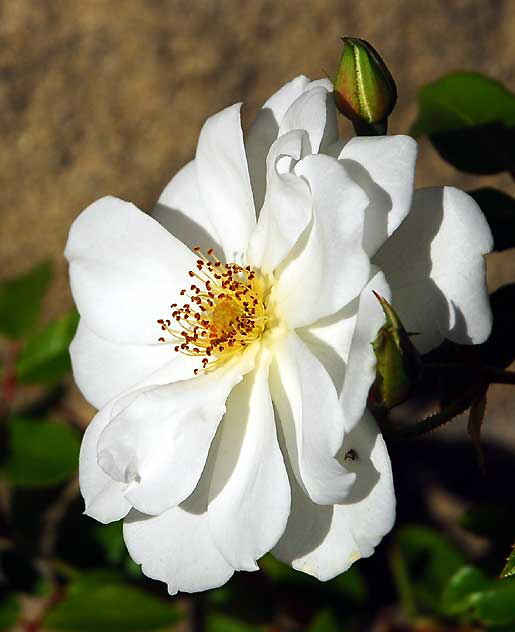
[{"x": 225, "y": 311}]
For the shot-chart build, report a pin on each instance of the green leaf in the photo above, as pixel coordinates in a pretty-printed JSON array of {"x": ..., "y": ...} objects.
[
  {"x": 499, "y": 210},
  {"x": 351, "y": 585},
  {"x": 9, "y": 610},
  {"x": 496, "y": 605},
  {"x": 499, "y": 349},
  {"x": 324, "y": 622},
  {"x": 40, "y": 453},
  {"x": 509, "y": 567},
  {"x": 222, "y": 623},
  {"x": 110, "y": 538},
  {"x": 431, "y": 561},
  {"x": 102, "y": 602},
  {"x": 20, "y": 300},
  {"x": 457, "y": 595},
  {"x": 470, "y": 119},
  {"x": 463, "y": 99},
  {"x": 45, "y": 356},
  {"x": 496, "y": 522}
]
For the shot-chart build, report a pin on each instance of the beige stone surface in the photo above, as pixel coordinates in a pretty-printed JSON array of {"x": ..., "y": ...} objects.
[{"x": 108, "y": 96}]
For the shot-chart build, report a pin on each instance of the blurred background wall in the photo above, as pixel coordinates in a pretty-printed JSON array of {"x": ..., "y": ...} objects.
[{"x": 103, "y": 96}]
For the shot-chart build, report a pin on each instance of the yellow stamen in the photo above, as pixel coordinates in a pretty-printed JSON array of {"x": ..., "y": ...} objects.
[{"x": 225, "y": 312}]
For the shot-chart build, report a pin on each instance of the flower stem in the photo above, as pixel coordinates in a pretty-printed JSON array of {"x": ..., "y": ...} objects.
[
  {"x": 434, "y": 421},
  {"x": 484, "y": 375},
  {"x": 8, "y": 382},
  {"x": 198, "y": 612},
  {"x": 402, "y": 582},
  {"x": 361, "y": 128}
]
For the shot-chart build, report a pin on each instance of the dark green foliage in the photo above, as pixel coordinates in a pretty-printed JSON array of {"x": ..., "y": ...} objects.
[
  {"x": 102, "y": 601},
  {"x": 499, "y": 349},
  {"x": 45, "y": 356},
  {"x": 499, "y": 210},
  {"x": 40, "y": 452},
  {"x": 509, "y": 567},
  {"x": 20, "y": 300},
  {"x": 325, "y": 622},
  {"x": 9, "y": 610},
  {"x": 470, "y": 120},
  {"x": 431, "y": 560}
]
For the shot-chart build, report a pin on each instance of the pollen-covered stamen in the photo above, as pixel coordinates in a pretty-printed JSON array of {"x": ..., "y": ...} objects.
[{"x": 225, "y": 311}]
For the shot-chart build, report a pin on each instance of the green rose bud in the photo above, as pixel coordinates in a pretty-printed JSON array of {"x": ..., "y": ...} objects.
[
  {"x": 398, "y": 362},
  {"x": 364, "y": 89}
]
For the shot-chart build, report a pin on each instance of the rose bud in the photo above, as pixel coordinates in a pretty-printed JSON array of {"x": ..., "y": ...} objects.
[
  {"x": 398, "y": 362},
  {"x": 364, "y": 89}
]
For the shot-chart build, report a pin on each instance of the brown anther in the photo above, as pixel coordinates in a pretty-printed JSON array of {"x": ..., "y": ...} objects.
[{"x": 222, "y": 295}]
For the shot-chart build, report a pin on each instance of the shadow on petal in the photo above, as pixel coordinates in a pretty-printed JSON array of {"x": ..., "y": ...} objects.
[
  {"x": 356, "y": 456},
  {"x": 408, "y": 263},
  {"x": 185, "y": 229},
  {"x": 376, "y": 214}
]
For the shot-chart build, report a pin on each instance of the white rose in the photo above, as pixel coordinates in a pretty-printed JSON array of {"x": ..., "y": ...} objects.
[{"x": 254, "y": 436}]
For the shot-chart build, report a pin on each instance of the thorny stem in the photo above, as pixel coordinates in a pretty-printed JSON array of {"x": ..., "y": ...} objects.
[
  {"x": 7, "y": 395},
  {"x": 8, "y": 383},
  {"x": 434, "y": 421},
  {"x": 484, "y": 375},
  {"x": 35, "y": 625},
  {"x": 55, "y": 515}
]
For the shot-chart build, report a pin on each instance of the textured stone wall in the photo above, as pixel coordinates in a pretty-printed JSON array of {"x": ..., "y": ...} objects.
[{"x": 108, "y": 96}]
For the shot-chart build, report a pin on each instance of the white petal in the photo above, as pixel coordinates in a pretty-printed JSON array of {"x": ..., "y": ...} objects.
[
  {"x": 324, "y": 83},
  {"x": 328, "y": 267},
  {"x": 181, "y": 211},
  {"x": 176, "y": 547},
  {"x": 249, "y": 497},
  {"x": 281, "y": 100},
  {"x": 103, "y": 369},
  {"x": 125, "y": 271},
  {"x": 224, "y": 181},
  {"x": 311, "y": 420},
  {"x": 360, "y": 372},
  {"x": 159, "y": 444},
  {"x": 385, "y": 167},
  {"x": 329, "y": 339},
  {"x": 287, "y": 208},
  {"x": 102, "y": 495},
  {"x": 436, "y": 270},
  {"x": 264, "y": 131},
  {"x": 325, "y": 541},
  {"x": 315, "y": 112}
]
